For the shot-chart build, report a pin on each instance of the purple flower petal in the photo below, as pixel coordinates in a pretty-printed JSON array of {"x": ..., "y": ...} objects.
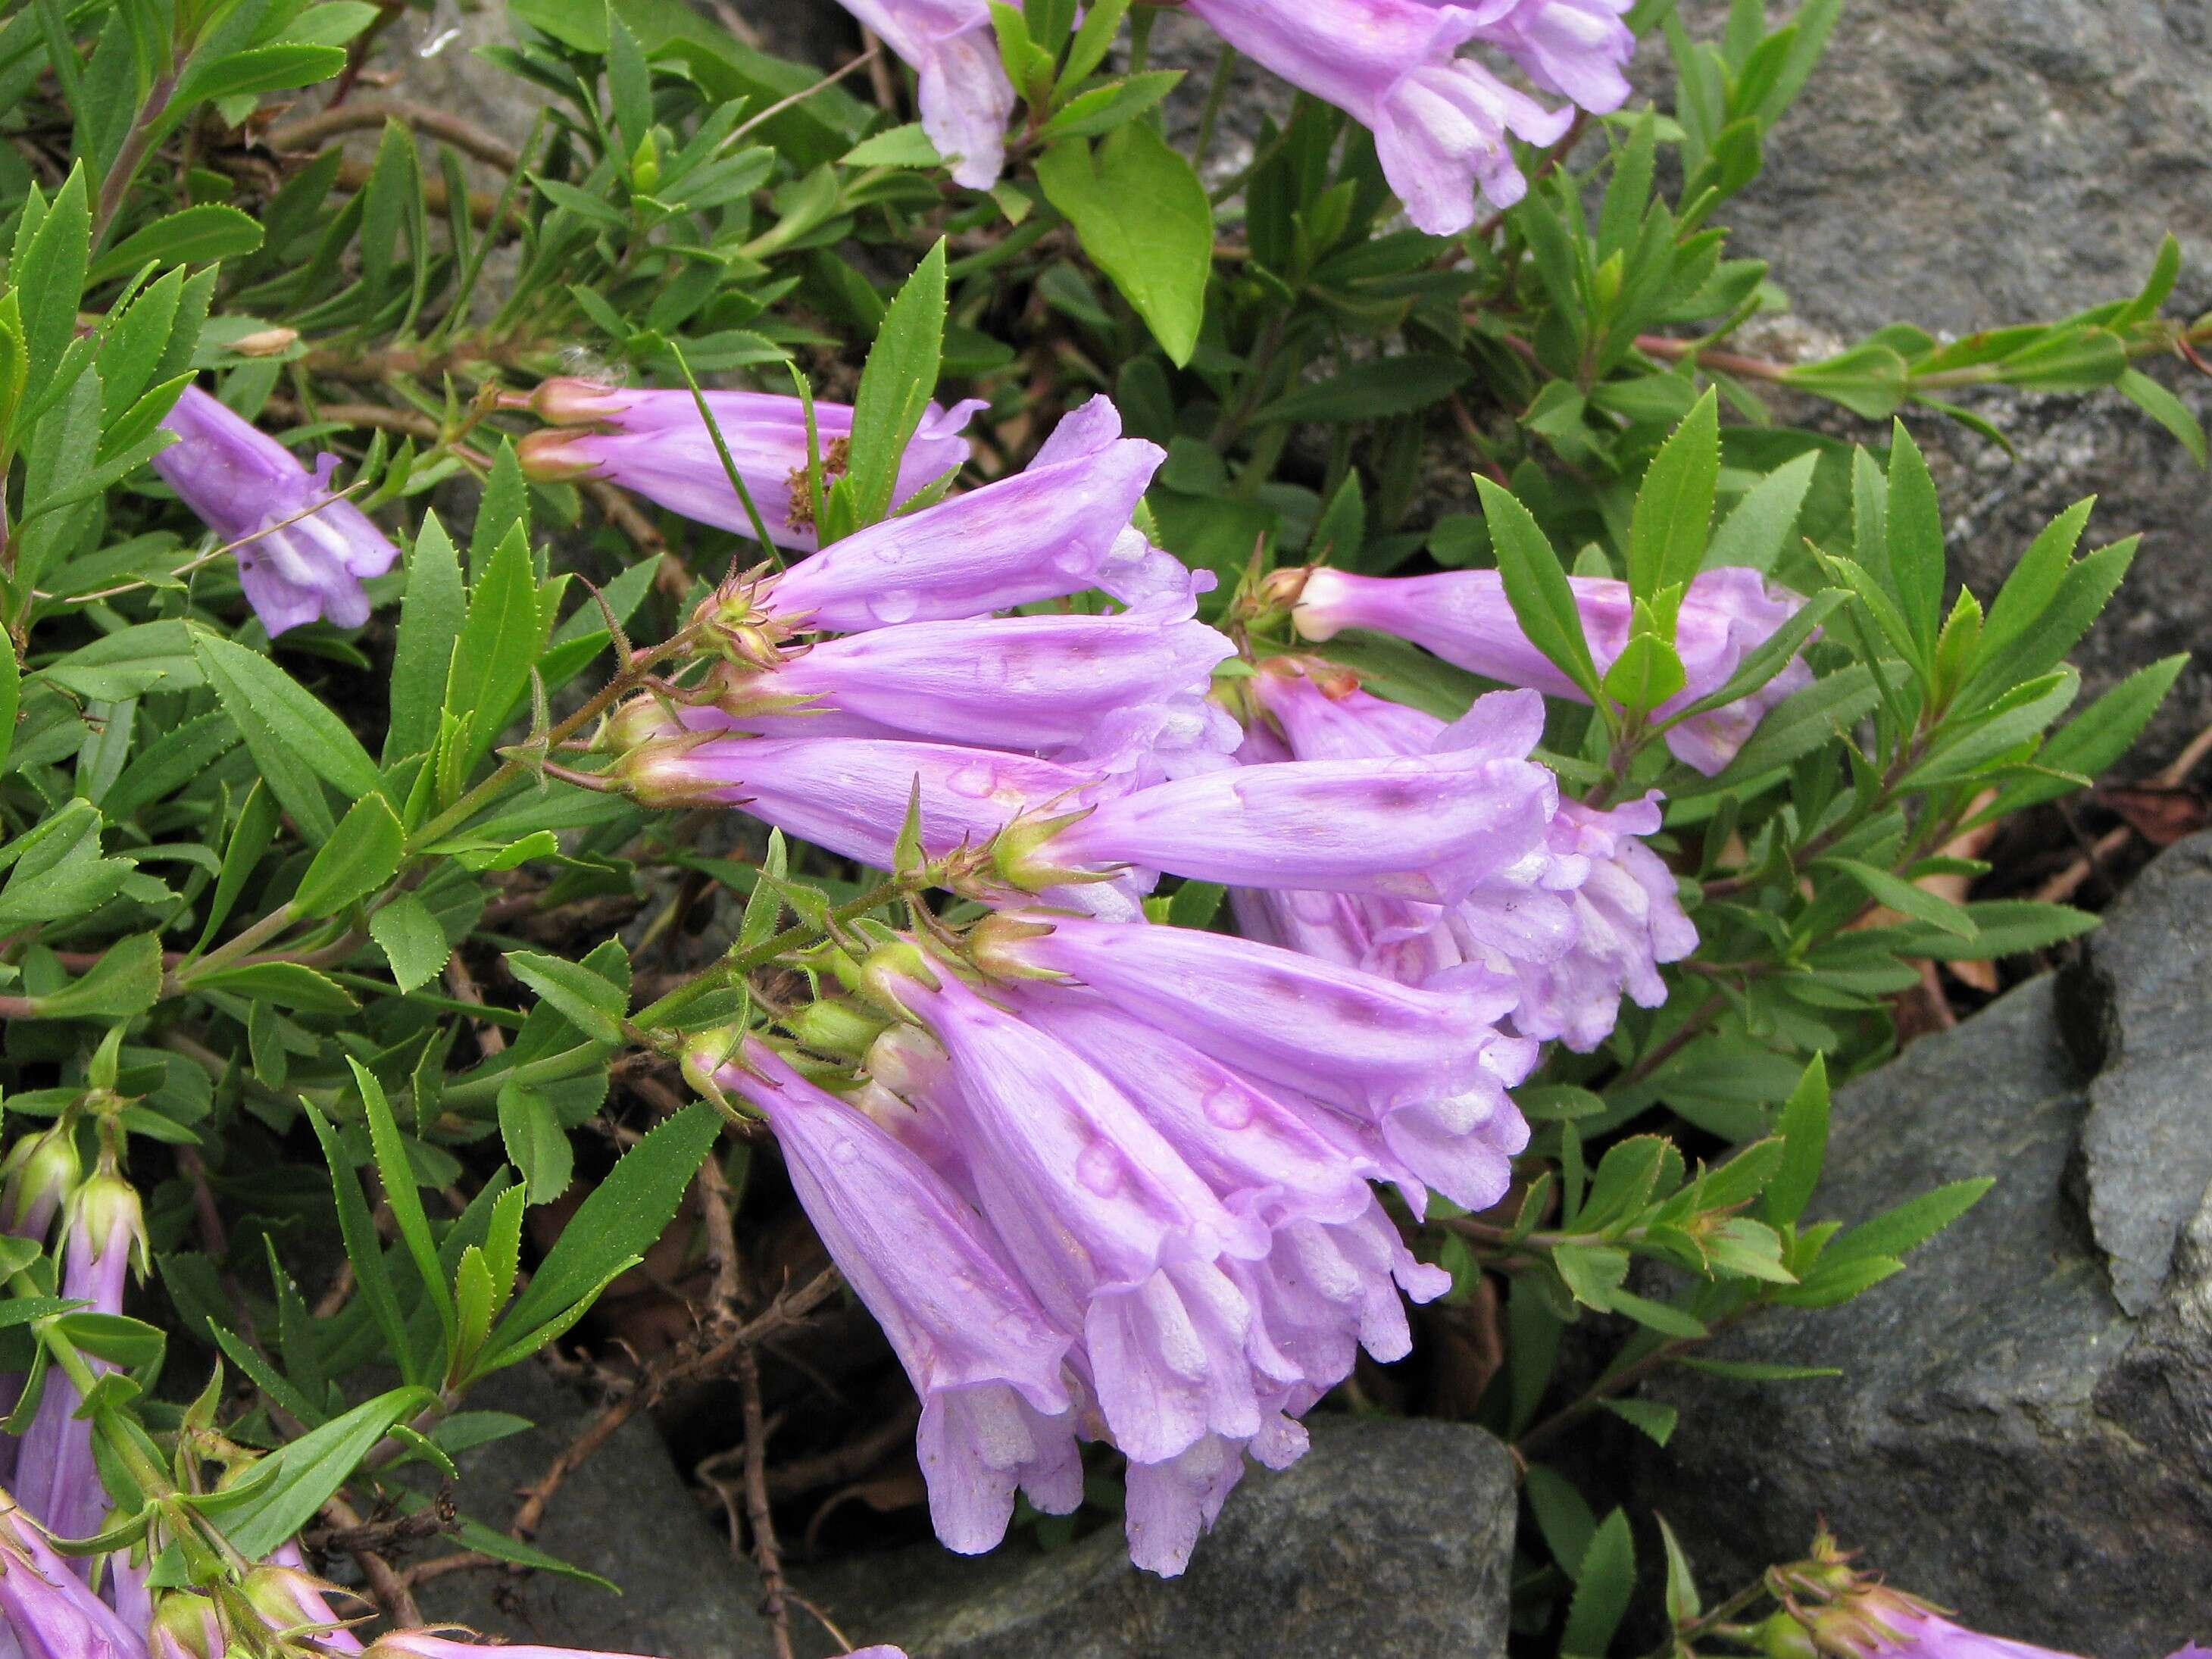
[
  {"x": 1464, "y": 618},
  {"x": 242, "y": 483}
]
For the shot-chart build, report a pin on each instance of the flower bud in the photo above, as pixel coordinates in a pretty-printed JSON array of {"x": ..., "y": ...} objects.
[
  {"x": 291, "y": 1600},
  {"x": 892, "y": 971},
  {"x": 184, "y": 1626},
  {"x": 707, "y": 1052},
  {"x": 737, "y": 629},
  {"x": 566, "y": 400},
  {"x": 1021, "y": 855},
  {"x": 104, "y": 1214},
  {"x": 557, "y": 457},
  {"x": 40, "y": 1171},
  {"x": 266, "y": 343},
  {"x": 1782, "y": 1636},
  {"x": 837, "y": 1026}
]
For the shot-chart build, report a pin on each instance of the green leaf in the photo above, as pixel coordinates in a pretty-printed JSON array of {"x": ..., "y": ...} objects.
[
  {"x": 1655, "y": 1420},
  {"x": 430, "y": 617},
  {"x": 361, "y": 854},
  {"x": 630, "y": 80},
  {"x": 209, "y": 230},
  {"x": 1804, "y": 720},
  {"x": 1871, "y": 380},
  {"x": 1906, "y": 898},
  {"x": 593, "y": 1005},
  {"x": 263, "y": 68},
  {"x": 1758, "y": 527},
  {"x": 535, "y": 1143},
  {"x": 2069, "y": 360},
  {"x": 897, "y": 385},
  {"x": 1603, "y": 1588},
  {"x": 1144, "y": 217},
  {"x": 1537, "y": 588},
  {"x": 1804, "y": 1128},
  {"x": 1754, "y": 1371},
  {"x": 1683, "y": 1602},
  {"x": 1563, "y": 1516},
  {"x": 1915, "y": 538},
  {"x": 47, "y": 272},
  {"x": 492, "y": 658},
  {"x": 124, "y": 983},
  {"x": 411, "y": 939},
  {"x": 1372, "y": 391},
  {"x": 288, "y": 984},
  {"x": 1103, "y": 108},
  {"x": 11, "y": 697},
  {"x": 1645, "y": 674},
  {"x": 1904, "y": 1228},
  {"x": 1673, "y": 513},
  {"x": 2003, "y": 927},
  {"x": 401, "y": 1196},
  {"x": 897, "y": 147},
  {"x": 2168, "y": 411},
  {"x": 310, "y": 1469},
  {"x": 625, "y": 1214},
  {"x": 2096, "y": 737},
  {"x": 357, "y": 1230},
  {"x": 291, "y": 733}
]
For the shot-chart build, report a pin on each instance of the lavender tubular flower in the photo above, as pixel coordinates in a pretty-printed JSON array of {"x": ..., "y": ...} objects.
[
  {"x": 1576, "y": 49},
  {"x": 56, "y": 1483},
  {"x": 1585, "y": 918},
  {"x": 1121, "y": 1239},
  {"x": 1425, "y": 827},
  {"x": 44, "y": 1607},
  {"x": 1628, "y": 919},
  {"x": 1058, "y": 527},
  {"x": 1464, "y": 618},
  {"x": 1348, "y": 1038},
  {"x": 1258, "y": 1154},
  {"x": 661, "y": 449},
  {"x": 41, "y": 1172},
  {"x": 966, "y": 98},
  {"x": 1440, "y": 121},
  {"x": 1425, "y": 1068},
  {"x": 1104, "y": 689},
  {"x": 851, "y": 795},
  {"x": 981, "y": 1353},
  {"x": 1327, "y": 1282},
  {"x": 243, "y": 483}
]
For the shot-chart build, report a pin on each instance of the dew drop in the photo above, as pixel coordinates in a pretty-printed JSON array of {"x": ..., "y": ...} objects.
[
  {"x": 1227, "y": 1108},
  {"x": 1099, "y": 1169},
  {"x": 896, "y": 606}
]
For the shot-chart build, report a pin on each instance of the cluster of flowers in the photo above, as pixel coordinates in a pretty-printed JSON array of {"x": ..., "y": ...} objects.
[
  {"x": 1442, "y": 122},
  {"x": 1198, "y": 1115},
  {"x": 1103, "y": 1178},
  {"x": 101, "y": 1606}
]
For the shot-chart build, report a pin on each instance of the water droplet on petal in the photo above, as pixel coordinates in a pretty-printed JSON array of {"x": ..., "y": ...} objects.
[
  {"x": 896, "y": 606},
  {"x": 1099, "y": 1169},
  {"x": 1228, "y": 1109}
]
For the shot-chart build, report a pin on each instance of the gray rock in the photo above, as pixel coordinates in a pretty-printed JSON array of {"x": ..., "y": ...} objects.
[
  {"x": 1966, "y": 163},
  {"x": 1390, "y": 1538},
  {"x": 624, "y": 1514},
  {"x": 2024, "y": 1427},
  {"x": 1972, "y": 163}
]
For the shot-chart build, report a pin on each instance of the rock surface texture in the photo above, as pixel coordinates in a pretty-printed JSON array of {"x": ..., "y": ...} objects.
[
  {"x": 1971, "y": 163},
  {"x": 2024, "y": 1427},
  {"x": 1391, "y": 1538},
  {"x": 625, "y": 1514}
]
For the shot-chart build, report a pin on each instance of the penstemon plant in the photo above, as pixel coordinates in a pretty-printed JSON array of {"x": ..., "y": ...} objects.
[{"x": 1175, "y": 893}]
